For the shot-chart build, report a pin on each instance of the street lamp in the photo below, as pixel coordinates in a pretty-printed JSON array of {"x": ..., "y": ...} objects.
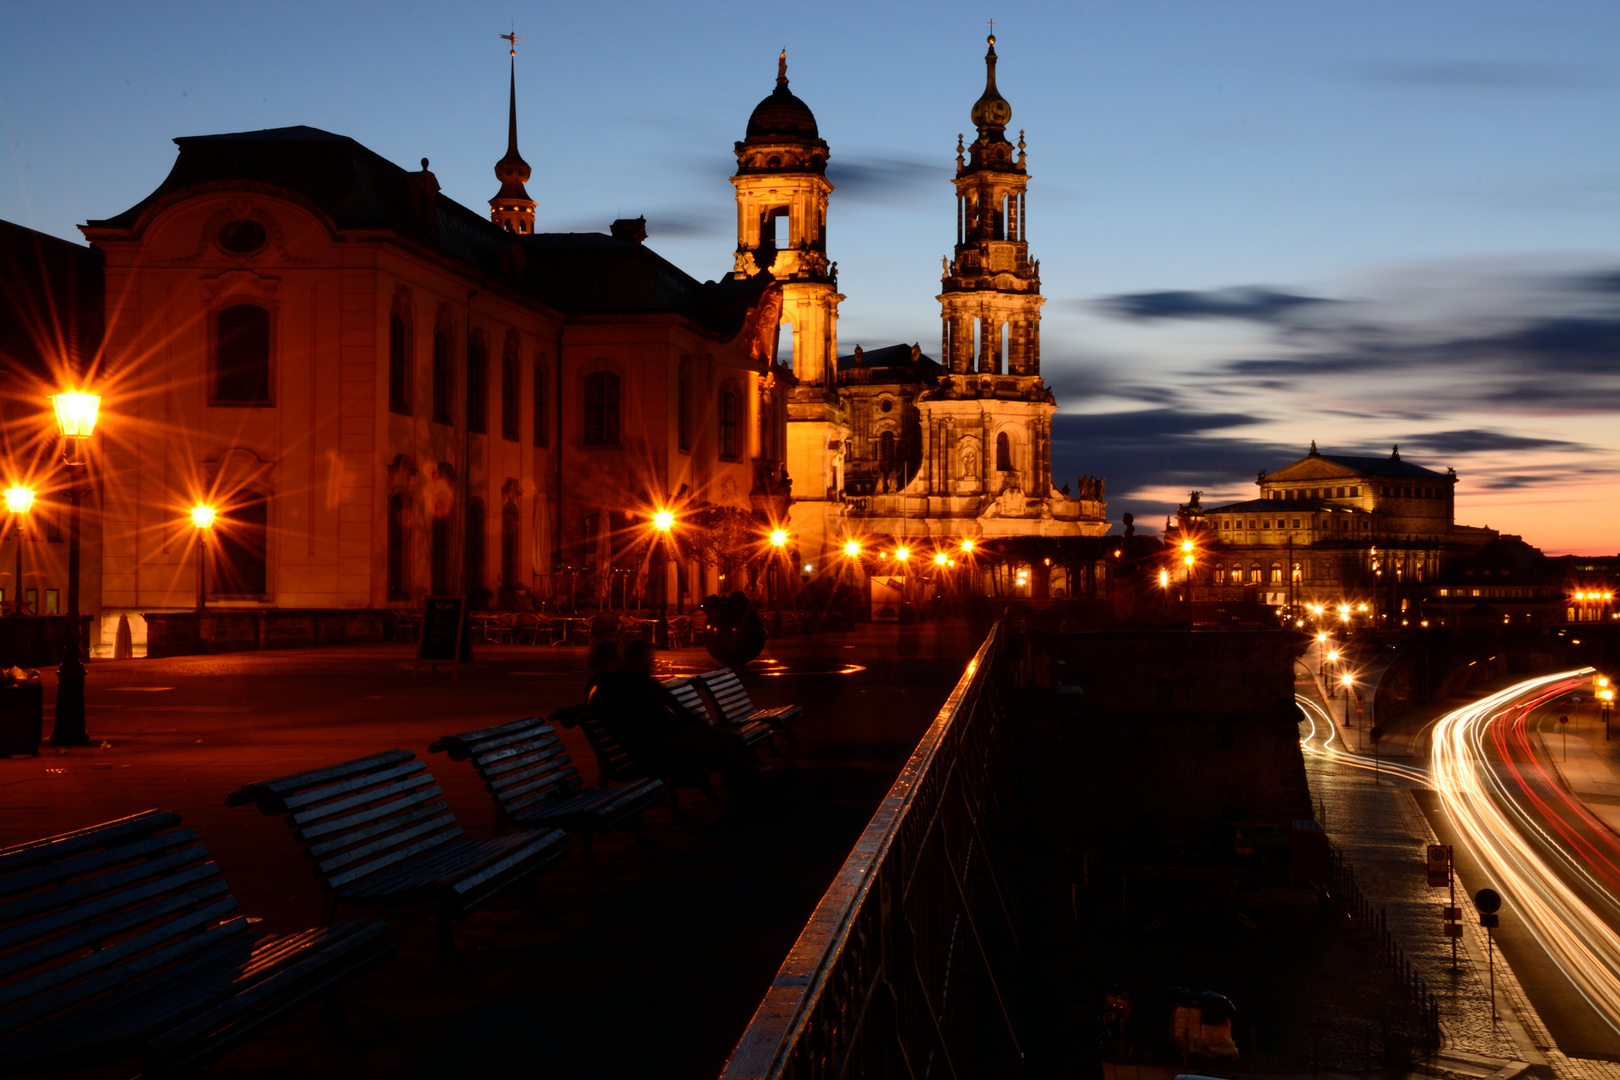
[
  {"x": 779, "y": 539},
  {"x": 19, "y": 501},
  {"x": 202, "y": 517},
  {"x": 1348, "y": 681},
  {"x": 76, "y": 414},
  {"x": 1331, "y": 658},
  {"x": 663, "y": 521}
]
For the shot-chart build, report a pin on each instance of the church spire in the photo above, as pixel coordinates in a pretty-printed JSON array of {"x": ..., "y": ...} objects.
[{"x": 511, "y": 208}]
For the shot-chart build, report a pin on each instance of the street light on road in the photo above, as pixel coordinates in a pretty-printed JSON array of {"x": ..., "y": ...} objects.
[
  {"x": 75, "y": 420},
  {"x": 779, "y": 539},
  {"x": 1348, "y": 681},
  {"x": 19, "y": 501},
  {"x": 202, "y": 518}
]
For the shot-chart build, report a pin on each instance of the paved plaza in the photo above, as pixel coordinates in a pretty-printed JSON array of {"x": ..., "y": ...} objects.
[{"x": 650, "y": 969}]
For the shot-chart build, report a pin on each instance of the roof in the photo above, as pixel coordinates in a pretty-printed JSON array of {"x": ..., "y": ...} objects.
[
  {"x": 578, "y": 273},
  {"x": 1260, "y": 506},
  {"x": 896, "y": 357},
  {"x": 1384, "y": 466},
  {"x": 50, "y": 303}
]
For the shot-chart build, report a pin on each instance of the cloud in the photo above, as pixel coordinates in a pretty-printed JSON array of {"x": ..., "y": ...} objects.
[
  {"x": 880, "y": 179},
  {"x": 1476, "y": 440},
  {"x": 662, "y": 224},
  {"x": 1255, "y": 303},
  {"x": 1482, "y": 75}
]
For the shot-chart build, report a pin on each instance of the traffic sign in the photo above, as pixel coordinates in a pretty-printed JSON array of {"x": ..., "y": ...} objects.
[
  {"x": 1564, "y": 719},
  {"x": 1451, "y": 914},
  {"x": 1439, "y": 865},
  {"x": 1490, "y": 921},
  {"x": 1453, "y": 929},
  {"x": 1488, "y": 901}
]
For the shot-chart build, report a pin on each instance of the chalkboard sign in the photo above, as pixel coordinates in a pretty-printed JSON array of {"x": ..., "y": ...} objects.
[{"x": 444, "y": 632}]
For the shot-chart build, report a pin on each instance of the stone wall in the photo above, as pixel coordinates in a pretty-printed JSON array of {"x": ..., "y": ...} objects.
[
  {"x": 1170, "y": 737},
  {"x": 184, "y": 633}
]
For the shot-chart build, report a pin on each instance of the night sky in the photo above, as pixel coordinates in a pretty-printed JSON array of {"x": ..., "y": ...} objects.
[{"x": 1258, "y": 223}]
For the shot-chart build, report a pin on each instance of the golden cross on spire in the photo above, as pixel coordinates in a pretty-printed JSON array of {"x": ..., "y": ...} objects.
[
  {"x": 512, "y": 39},
  {"x": 992, "y": 31}
]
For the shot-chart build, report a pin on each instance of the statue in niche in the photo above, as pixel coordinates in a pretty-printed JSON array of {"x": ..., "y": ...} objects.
[{"x": 970, "y": 462}]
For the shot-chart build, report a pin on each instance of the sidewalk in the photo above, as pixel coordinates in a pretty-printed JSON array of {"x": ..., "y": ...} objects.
[{"x": 1580, "y": 766}]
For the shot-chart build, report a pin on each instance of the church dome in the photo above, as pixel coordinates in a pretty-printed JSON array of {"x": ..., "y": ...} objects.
[
  {"x": 782, "y": 115},
  {"x": 991, "y": 111}
]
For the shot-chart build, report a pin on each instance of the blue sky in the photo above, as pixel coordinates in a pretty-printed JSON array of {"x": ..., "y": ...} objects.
[{"x": 1258, "y": 223}]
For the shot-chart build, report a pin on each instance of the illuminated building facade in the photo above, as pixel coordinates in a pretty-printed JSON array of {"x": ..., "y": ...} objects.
[
  {"x": 1327, "y": 528},
  {"x": 909, "y": 447}
]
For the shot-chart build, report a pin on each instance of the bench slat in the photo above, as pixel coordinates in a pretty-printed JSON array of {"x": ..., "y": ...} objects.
[{"x": 271, "y": 793}]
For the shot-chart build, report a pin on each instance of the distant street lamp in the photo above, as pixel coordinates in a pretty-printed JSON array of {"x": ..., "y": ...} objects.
[
  {"x": 663, "y": 521},
  {"x": 1331, "y": 658},
  {"x": 75, "y": 420},
  {"x": 202, "y": 517},
  {"x": 19, "y": 501}
]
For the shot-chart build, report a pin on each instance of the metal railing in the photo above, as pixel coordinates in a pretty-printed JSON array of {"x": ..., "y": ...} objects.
[{"x": 901, "y": 970}]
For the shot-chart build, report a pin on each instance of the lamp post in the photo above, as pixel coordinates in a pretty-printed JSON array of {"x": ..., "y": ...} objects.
[
  {"x": 19, "y": 501},
  {"x": 202, "y": 516},
  {"x": 75, "y": 421},
  {"x": 1348, "y": 681},
  {"x": 663, "y": 522},
  {"x": 779, "y": 539},
  {"x": 1332, "y": 658}
]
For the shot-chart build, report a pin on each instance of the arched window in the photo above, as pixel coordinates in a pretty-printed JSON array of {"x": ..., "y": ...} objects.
[
  {"x": 477, "y": 385},
  {"x": 602, "y": 409},
  {"x": 398, "y": 555},
  {"x": 1276, "y": 573},
  {"x": 1254, "y": 574},
  {"x": 399, "y": 366},
  {"x": 540, "y": 425},
  {"x": 509, "y": 544},
  {"x": 240, "y": 543},
  {"x": 1003, "y": 453},
  {"x": 242, "y": 356},
  {"x": 886, "y": 451},
  {"x": 767, "y": 445},
  {"x": 728, "y": 424},
  {"x": 1220, "y": 575},
  {"x": 439, "y": 561},
  {"x": 683, "y": 437},
  {"x": 475, "y": 546},
  {"x": 441, "y": 377},
  {"x": 510, "y": 389}
]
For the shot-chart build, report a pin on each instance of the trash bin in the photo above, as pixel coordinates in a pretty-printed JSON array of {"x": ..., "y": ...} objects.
[{"x": 22, "y": 711}]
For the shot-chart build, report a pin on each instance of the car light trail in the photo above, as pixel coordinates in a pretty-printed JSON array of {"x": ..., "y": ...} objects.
[
  {"x": 1319, "y": 719},
  {"x": 1516, "y": 849}
]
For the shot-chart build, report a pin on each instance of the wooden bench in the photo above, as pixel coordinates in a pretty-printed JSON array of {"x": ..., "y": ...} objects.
[
  {"x": 737, "y": 708},
  {"x": 535, "y": 784},
  {"x": 122, "y": 940},
  {"x": 378, "y": 834},
  {"x": 753, "y": 732}
]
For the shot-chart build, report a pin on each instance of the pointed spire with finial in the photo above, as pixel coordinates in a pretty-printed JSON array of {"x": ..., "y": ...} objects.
[
  {"x": 511, "y": 208},
  {"x": 1313, "y": 452},
  {"x": 991, "y": 112}
]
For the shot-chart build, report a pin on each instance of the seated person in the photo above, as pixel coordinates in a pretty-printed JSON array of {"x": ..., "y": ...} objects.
[{"x": 652, "y": 725}]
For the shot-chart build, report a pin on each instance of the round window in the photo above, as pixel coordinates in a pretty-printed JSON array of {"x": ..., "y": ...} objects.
[
  {"x": 242, "y": 237},
  {"x": 774, "y": 161},
  {"x": 885, "y": 405}
]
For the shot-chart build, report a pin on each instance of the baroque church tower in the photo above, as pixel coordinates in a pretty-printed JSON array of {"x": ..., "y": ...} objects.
[
  {"x": 782, "y": 191},
  {"x": 511, "y": 208}
]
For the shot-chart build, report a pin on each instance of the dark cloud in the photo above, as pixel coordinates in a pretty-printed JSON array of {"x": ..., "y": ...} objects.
[
  {"x": 1473, "y": 440},
  {"x": 1255, "y": 303},
  {"x": 662, "y": 224},
  {"x": 882, "y": 179},
  {"x": 1482, "y": 75}
]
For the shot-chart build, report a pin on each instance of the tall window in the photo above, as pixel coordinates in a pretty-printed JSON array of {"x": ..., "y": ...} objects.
[
  {"x": 540, "y": 426},
  {"x": 242, "y": 356},
  {"x": 477, "y": 385},
  {"x": 398, "y": 586},
  {"x": 767, "y": 445},
  {"x": 1003, "y": 453},
  {"x": 441, "y": 377},
  {"x": 439, "y": 564},
  {"x": 602, "y": 411},
  {"x": 240, "y": 543},
  {"x": 728, "y": 424},
  {"x": 399, "y": 366},
  {"x": 509, "y": 544},
  {"x": 475, "y": 545},
  {"x": 886, "y": 451},
  {"x": 509, "y": 391},
  {"x": 683, "y": 437}
]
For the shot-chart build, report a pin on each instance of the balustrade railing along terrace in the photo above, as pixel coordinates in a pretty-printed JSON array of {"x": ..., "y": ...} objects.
[{"x": 906, "y": 966}]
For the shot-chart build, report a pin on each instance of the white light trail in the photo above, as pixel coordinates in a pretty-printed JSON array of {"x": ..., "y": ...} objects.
[{"x": 1514, "y": 848}]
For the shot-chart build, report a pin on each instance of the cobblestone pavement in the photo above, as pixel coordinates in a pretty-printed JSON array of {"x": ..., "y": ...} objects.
[{"x": 1382, "y": 831}]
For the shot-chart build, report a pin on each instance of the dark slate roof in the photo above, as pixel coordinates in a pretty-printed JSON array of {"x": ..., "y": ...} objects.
[
  {"x": 50, "y": 303},
  {"x": 1260, "y": 506},
  {"x": 1383, "y": 466},
  {"x": 578, "y": 273},
  {"x": 893, "y": 356}
]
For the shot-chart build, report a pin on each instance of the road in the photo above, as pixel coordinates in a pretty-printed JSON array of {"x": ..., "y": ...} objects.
[{"x": 1489, "y": 788}]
